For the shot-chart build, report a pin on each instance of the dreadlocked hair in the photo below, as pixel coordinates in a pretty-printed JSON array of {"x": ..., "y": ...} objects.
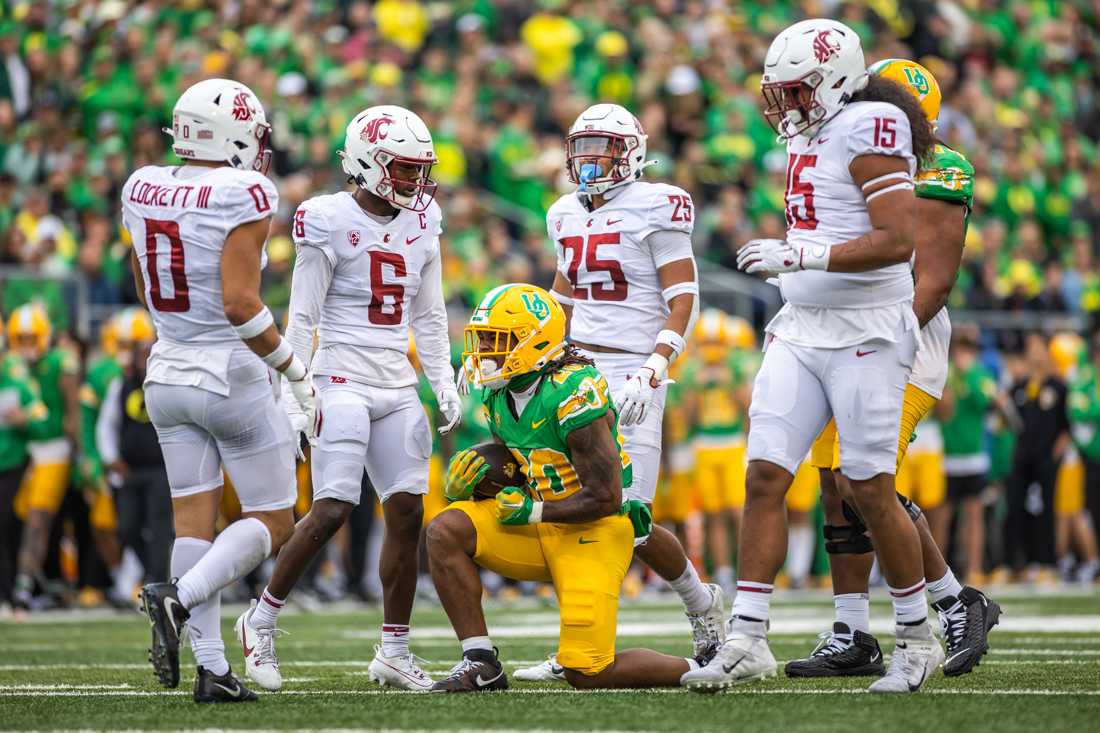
[
  {"x": 569, "y": 357},
  {"x": 880, "y": 89}
]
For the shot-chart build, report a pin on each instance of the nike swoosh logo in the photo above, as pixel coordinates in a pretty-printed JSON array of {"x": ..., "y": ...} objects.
[
  {"x": 583, "y": 541},
  {"x": 956, "y": 654},
  {"x": 536, "y": 424},
  {"x": 244, "y": 644},
  {"x": 727, "y": 668},
  {"x": 231, "y": 691},
  {"x": 860, "y": 354},
  {"x": 914, "y": 688},
  {"x": 410, "y": 240},
  {"x": 822, "y": 140},
  {"x": 876, "y": 657},
  {"x": 171, "y": 616},
  {"x": 483, "y": 682},
  {"x": 612, "y": 222}
]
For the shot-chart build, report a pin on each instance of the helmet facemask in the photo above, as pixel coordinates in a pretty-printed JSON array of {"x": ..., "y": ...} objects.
[
  {"x": 486, "y": 351},
  {"x": 792, "y": 107},
  {"x": 598, "y": 160}
]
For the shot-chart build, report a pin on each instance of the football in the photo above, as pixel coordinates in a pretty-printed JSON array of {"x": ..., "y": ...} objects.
[{"x": 503, "y": 471}]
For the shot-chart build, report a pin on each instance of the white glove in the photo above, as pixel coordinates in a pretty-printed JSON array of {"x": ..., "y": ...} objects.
[
  {"x": 451, "y": 406},
  {"x": 299, "y": 425},
  {"x": 462, "y": 381},
  {"x": 777, "y": 256},
  {"x": 304, "y": 400},
  {"x": 634, "y": 398}
]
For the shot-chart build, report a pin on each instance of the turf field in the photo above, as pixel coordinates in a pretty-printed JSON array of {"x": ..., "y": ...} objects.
[{"x": 85, "y": 671}]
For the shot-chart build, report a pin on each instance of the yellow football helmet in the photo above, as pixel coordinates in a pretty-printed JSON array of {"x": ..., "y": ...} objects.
[
  {"x": 713, "y": 335},
  {"x": 515, "y": 329},
  {"x": 134, "y": 325},
  {"x": 916, "y": 79},
  {"x": 29, "y": 330},
  {"x": 742, "y": 334},
  {"x": 108, "y": 336},
  {"x": 1066, "y": 350}
]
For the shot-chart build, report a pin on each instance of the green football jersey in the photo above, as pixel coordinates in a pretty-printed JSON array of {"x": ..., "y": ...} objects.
[
  {"x": 564, "y": 400},
  {"x": 100, "y": 374},
  {"x": 949, "y": 177},
  {"x": 47, "y": 372},
  {"x": 17, "y": 388},
  {"x": 719, "y": 413},
  {"x": 973, "y": 390}
]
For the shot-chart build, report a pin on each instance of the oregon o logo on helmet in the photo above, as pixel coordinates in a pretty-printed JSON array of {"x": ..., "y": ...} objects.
[
  {"x": 376, "y": 129},
  {"x": 825, "y": 47},
  {"x": 538, "y": 307},
  {"x": 241, "y": 110},
  {"x": 918, "y": 80}
]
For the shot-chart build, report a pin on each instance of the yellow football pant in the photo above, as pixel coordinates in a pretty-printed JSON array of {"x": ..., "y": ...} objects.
[
  {"x": 102, "y": 515},
  {"x": 675, "y": 498},
  {"x": 434, "y": 501},
  {"x": 802, "y": 496},
  {"x": 586, "y": 563},
  {"x": 720, "y": 477},
  {"x": 43, "y": 488},
  {"x": 1069, "y": 487}
]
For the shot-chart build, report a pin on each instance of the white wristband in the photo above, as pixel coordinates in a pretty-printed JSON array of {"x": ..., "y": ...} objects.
[
  {"x": 814, "y": 257},
  {"x": 295, "y": 370},
  {"x": 690, "y": 287},
  {"x": 659, "y": 365},
  {"x": 673, "y": 340},
  {"x": 255, "y": 325},
  {"x": 561, "y": 298},
  {"x": 536, "y": 513}
]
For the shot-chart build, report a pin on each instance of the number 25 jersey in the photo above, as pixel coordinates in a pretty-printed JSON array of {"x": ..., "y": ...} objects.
[
  {"x": 610, "y": 265},
  {"x": 178, "y": 218}
]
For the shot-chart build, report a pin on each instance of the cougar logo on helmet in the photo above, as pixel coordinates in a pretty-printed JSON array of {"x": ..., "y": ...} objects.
[
  {"x": 824, "y": 46},
  {"x": 241, "y": 109},
  {"x": 376, "y": 129}
]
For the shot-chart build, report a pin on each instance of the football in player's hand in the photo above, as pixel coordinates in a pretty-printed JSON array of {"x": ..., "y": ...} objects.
[{"x": 503, "y": 470}]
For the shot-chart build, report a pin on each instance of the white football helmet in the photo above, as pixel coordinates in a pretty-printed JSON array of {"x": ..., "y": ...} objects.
[
  {"x": 605, "y": 148},
  {"x": 384, "y": 138},
  {"x": 222, "y": 120},
  {"x": 810, "y": 73}
]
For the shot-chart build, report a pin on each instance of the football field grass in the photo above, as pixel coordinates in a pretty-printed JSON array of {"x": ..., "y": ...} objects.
[{"x": 88, "y": 671}]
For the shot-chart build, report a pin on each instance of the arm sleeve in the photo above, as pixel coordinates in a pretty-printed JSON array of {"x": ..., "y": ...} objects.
[
  {"x": 585, "y": 398},
  {"x": 669, "y": 245},
  {"x": 312, "y": 277},
  {"x": 107, "y": 426},
  {"x": 429, "y": 325},
  {"x": 881, "y": 129}
]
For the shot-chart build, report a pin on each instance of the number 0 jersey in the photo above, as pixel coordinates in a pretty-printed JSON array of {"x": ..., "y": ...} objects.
[
  {"x": 612, "y": 268},
  {"x": 372, "y": 281},
  {"x": 537, "y": 434},
  {"x": 178, "y": 218}
]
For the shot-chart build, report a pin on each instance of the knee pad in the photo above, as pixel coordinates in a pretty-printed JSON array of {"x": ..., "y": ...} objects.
[
  {"x": 911, "y": 507},
  {"x": 341, "y": 452},
  {"x": 853, "y": 517},
  {"x": 847, "y": 540}
]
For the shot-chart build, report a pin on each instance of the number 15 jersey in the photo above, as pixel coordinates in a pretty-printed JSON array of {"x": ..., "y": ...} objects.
[{"x": 611, "y": 262}]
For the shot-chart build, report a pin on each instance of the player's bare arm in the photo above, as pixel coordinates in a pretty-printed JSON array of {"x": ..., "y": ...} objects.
[
  {"x": 70, "y": 389},
  {"x": 596, "y": 459},
  {"x": 683, "y": 308},
  {"x": 940, "y": 234},
  {"x": 139, "y": 279},
  {"x": 888, "y": 189},
  {"x": 241, "y": 284},
  {"x": 562, "y": 292}
]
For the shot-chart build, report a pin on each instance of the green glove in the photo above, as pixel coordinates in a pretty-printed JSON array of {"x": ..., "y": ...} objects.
[
  {"x": 467, "y": 468},
  {"x": 514, "y": 506},
  {"x": 640, "y": 516}
]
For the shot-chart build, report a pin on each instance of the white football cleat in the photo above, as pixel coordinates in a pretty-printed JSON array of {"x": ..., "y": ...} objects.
[
  {"x": 708, "y": 629},
  {"x": 744, "y": 657},
  {"x": 548, "y": 671},
  {"x": 260, "y": 663},
  {"x": 917, "y": 655},
  {"x": 401, "y": 672}
]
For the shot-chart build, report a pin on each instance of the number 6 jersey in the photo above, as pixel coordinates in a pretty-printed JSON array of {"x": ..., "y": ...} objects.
[
  {"x": 611, "y": 261},
  {"x": 363, "y": 282}
]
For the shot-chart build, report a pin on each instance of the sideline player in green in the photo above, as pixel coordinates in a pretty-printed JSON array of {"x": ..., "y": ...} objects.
[
  {"x": 553, "y": 410},
  {"x": 945, "y": 192}
]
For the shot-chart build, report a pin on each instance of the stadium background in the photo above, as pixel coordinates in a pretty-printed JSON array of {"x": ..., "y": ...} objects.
[{"x": 86, "y": 86}]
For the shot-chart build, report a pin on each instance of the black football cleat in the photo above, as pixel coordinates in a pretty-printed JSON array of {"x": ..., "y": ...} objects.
[
  {"x": 967, "y": 621},
  {"x": 166, "y": 617},
  {"x": 210, "y": 688},
  {"x": 841, "y": 654},
  {"x": 479, "y": 671}
]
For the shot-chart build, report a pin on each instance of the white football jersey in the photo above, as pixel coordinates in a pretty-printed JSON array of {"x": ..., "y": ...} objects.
[
  {"x": 617, "y": 300},
  {"x": 377, "y": 271},
  {"x": 178, "y": 218},
  {"x": 826, "y": 207}
]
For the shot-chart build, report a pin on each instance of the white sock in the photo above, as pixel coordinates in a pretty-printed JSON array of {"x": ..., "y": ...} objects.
[
  {"x": 692, "y": 592},
  {"x": 205, "y": 621},
  {"x": 944, "y": 587},
  {"x": 128, "y": 573},
  {"x": 753, "y": 600},
  {"x": 723, "y": 576},
  {"x": 395, "y": 640},
  {"x": 236, "y": 551},
  {"x": 853, "y": 610},
  {"x": 910, "y": 608},
  {"x": 800, "y": 553},
  {"x": 477, "y": 642},
  {"x": 266, "y": 613}
]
